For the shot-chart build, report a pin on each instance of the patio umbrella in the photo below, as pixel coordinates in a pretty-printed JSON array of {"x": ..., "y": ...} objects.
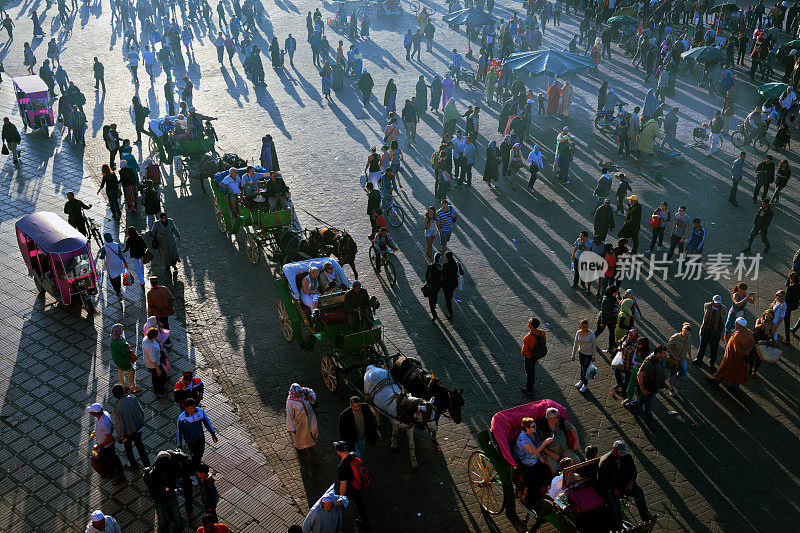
[
  {"x": 471, "y": 18},
  {"x": 720, "y": 8},
  {"x": 705, "y": 54},
  {"x": 772, "y": 90},
  {"x": 551, "y": 63},
  {"x": 623, "y": 19}
]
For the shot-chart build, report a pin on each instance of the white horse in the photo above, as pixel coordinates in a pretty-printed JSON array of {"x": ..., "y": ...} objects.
[{"x": 405, "y": 411}]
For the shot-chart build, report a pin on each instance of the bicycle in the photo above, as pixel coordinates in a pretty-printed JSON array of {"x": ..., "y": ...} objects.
[
  {"x": 741, "y": 137},
  {"x": 386, "y": 261},
  {"x": 416, "y": 6},
  {"x": 395, "y": 214},
  {"x": 701, "y": 135},
  {"x": 93, "y": 229}
]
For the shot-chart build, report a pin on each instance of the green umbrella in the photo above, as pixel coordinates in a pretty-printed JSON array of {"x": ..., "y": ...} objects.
[
  {"x": 623, "y": 19},
  {"x": 771, "y": 90},
  {"x": 723, "y": 7},
  {"x": 705, "y": 54}
]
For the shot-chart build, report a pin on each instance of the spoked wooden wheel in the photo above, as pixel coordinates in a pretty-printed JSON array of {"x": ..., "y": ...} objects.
[
  {"x": 285, "y": 322},
  {"x": 329, "y": 376},
  {"x": 219, "y": 216},
  {"x": 485, "y": 482},
  {"x": 252, "y": 248},
  {"x": 182, "y": 168}
]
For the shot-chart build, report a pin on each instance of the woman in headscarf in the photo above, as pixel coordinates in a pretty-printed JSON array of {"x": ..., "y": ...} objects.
[
  {"x": 275, "y": 53},
  {"x": 553, "y": 98},
  {"x": 163, "y": 334},
  {"x": 628, "y": 350},
  {"x": 451, "y": 116},
  {"x": 121, "y": 353},
  {"x": 390, "y": 96},
  {"x": 491, "y": 81},
  {"x": 422, "y": 96},
  {"x": 650, "y": 105},
  {"x": 269, "y": 157},
  {"x": 734, "y": 368},
  {"x": 301, "y": 421},
  {"x": 514, "y": 164},
  {"x": 448, "y": 89},
  {"x": 566, "y": 100},
  {"x": 639, "y": 355},
  {"x": 326, "y": 72},
  {"x": 490, "y": 171},
  {"x": 625, "y": 319},
  {"x": 436, "y": 92},
  {"x": 164, "y": 232},
  {"x": 325, "y": 516}
]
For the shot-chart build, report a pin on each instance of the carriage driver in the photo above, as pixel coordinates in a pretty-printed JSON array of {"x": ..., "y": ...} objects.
[
  {"x": 330, "y": 279},
  {"x": 359, "y": 310},
  {"x": 277, "y": 192}
]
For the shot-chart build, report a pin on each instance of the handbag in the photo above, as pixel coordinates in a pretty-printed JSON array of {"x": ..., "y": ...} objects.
[
  {"x": 127, "y": 278},
  {"x": 147, "y": 257},
  {"x": 132, "y": 355},
  {"x": 617, "y": 361},
  {"x": 164, "y": 361},
  {"x": 4, "y": 151},
  {"x": 591, "y": 372}
]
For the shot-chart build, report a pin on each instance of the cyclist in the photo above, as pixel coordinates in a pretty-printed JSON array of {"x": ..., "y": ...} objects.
[
  {"x": 382, "y": 243},
  {"x": 74, "y": 210},
  {"x": 755, "y": 124}
]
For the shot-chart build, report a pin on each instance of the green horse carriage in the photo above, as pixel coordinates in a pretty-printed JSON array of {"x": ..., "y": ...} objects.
[
  {"x": 350, "y": 352},
  {"x": 193, "y": 158},
  {"x": 497, "y": 484},
  {"x": 275, "y": 232}
]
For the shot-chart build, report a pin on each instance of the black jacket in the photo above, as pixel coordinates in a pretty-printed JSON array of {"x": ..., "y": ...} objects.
[
  {"x": 136, "y": 247},
  {"x": 347, "y": 425},
  {"x": 763, "y": 217},
  {"x": 603, "y": 220},
  {"x": 433, "y": 277},
  {"x": 11, "y": 133},
  {"x": 450, "y": 271},
  {"x": 276, "y": 187},
  {"x": 611, "y": 476},
  {"x": 633, "y": 221}
]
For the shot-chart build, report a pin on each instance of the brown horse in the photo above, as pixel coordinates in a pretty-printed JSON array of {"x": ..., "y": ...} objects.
[{"x": 332, "y": 241}]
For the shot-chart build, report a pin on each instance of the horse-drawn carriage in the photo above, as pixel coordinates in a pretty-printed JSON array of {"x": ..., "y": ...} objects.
[
  {"x": 273, "y": 231},
  {"x": 171, "y": 142},
  {"x": 497, "y": 483},
  {"x": 350, "y": 350}
]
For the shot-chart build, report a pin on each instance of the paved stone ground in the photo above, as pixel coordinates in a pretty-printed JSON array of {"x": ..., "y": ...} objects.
[{"x": 703, "y": 470}]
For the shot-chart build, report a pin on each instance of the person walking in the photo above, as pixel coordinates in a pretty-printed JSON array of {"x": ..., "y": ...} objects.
[
  {"x": 164, "y": 233},
  {"x": 445, "y": 219},
  {"x": 104, "y": 457},
  {"x": 534, "y": 347},
  {"x": 140, "y": 114},
  {"x": 408, "y": 40},
  {"x": 784, "y": 173},
  {"x": 433, "y": 282},
  {"x": 661, "y": 217},
  {"x": 650, "y": 377},
  {"x": 301, "y": 420},
  {"x": 633, "y": 222},
  {"x": 765, "y": 175},
  {"x": 290, "y": 46},
  {"x": 467, "y": 162},
  {"x": 760, "y": 226},
  {"x": 390, "y": 97},
  {"x": 410, "y": 116},
  {"x": 431, "y": 230},
  {"x": 123, "y": 356},
  {"x": 734, "y": 368},
  {"x": 357, "y": 426},
  {"x": 607, "y": 317},
  {"x": 679, "y": 351},
  {"x": 102, "y": 523},
  {"x": 711, "y": 331},
  {"x": 113, "y": 262},
  {"x": 581, "y": 244},
  {"x": 151, "y": 352},
  {"x": 365, "y": 85},
  {"x": 737, "y": 171},
  {"x": 129, "y": 420},
  {"x": 680, "y": 231},
  {"x": 585, "y": 347},
  {"x": 137, "y": 250},
  {"x": 491, "y": 169},
  {"x": 11, "y": 139},
  {"x": 451, "y": 270},
  {"x": 160, "y": 304},
  {"x": 190, "y": 429},
  {"x": 353, "y": 478},
  {"x": 162, "y": 483}
]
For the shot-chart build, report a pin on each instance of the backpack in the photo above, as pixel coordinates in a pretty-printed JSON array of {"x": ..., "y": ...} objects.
[
  {"x": 539, "y": 348},
  {"x": 362, "y": 479}
]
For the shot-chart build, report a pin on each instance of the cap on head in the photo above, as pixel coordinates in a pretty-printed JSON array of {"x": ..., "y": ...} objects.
[
  {"x": 686, "y": 327},
  {"x": 97, "y": 516},
  {"x": 633, "y": 197},
  {"x": 356, "y": 283},
  {"x": 621, "y": 447},
  {"x": 741, "y": 321},
  {"x": 94, "y": 408},
  {"x": 340, "y": 446},
  {"x": 717, "y": 299}
]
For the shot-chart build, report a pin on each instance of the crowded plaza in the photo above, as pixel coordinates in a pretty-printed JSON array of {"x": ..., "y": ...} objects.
[{"x": 399, "y": 265}]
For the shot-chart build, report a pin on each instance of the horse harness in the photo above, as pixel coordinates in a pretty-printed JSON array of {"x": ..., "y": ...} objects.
[{"x": 400, "y": 397}]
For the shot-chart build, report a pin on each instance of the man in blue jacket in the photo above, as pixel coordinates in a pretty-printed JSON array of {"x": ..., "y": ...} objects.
[{"x": 190, "y": 429}]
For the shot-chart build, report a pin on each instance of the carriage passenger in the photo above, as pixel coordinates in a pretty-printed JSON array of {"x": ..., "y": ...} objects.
[
  {"x": 231, "y": 185},
  {"x": 560, "y": 429},
  {"x": 527, "y": 450},
  {"x": 277, "y": 192},
  {"x": 310, "y": 289},
  {"x": 330, "y": 279}
]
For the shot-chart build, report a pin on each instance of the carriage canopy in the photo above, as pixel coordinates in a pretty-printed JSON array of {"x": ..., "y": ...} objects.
[
  {"x": 507, "y": 424},
  {"x": 292, "y": 270}
]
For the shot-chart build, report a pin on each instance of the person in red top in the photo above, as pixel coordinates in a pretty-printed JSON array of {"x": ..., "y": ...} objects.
[
  {"x": 608, "y": 275},
  {"x": 188, "y": 387},
  {"x": 532, "y": 355},
  {"x": 210, "y": 527}
]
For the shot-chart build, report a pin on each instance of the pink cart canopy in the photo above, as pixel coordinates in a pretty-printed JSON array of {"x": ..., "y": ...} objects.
[{"x": 507, "y": 424}]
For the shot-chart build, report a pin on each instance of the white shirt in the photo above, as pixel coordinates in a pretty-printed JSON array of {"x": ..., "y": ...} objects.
[
  {"x": 151, "y": 352},
  {"x": 103, "y": 428},
  {"x": 113, "y": 260},
  {"x": 555, "y": 487},
  {"x": 232, "y": 184},
  {"x": 535, "y": 157}
]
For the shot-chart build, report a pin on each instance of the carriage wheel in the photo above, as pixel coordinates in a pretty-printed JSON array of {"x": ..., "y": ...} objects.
[
  {"x": 182, "y": 169},
  {"x": 485, "y": 483},
  {"x": 329, "y": 376},
  {"x": 285, "y": 321},
  {"x": 219, "y": 216},
  {"x": 252, "y": 248},
  {"x": 415, "y": 6}
]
